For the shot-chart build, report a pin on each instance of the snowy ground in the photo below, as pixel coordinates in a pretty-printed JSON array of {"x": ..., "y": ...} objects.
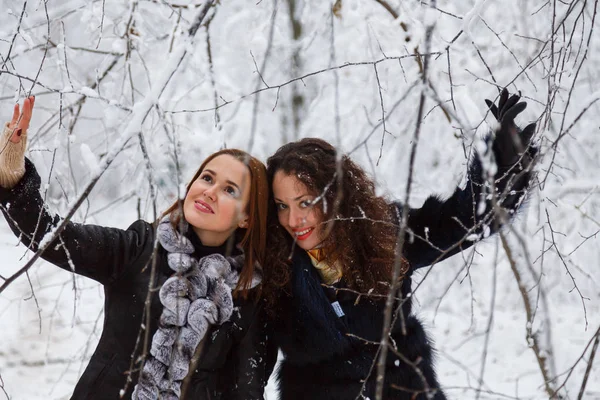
[{"x": 46, "y": 364}]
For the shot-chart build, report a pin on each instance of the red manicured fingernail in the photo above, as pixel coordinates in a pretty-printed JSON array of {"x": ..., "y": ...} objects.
[{"x": 19, "y": 132}]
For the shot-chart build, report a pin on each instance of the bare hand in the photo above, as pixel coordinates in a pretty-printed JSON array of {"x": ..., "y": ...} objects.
[{"x": 20, "y": 119}]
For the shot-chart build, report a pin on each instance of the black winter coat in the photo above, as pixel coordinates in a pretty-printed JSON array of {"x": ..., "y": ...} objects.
[
  {"x": 328, "y": 357},
  {"x": 233, "y": 364}
]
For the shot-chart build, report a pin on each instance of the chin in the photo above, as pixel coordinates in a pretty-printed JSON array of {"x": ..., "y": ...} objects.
[
  {"x": 303, "y": 246},
  {"x": 193, "y": 218},
  {"x": 309, "y": 245}
]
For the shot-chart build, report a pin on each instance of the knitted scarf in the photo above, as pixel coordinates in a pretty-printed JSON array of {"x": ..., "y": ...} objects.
[{"x": 197, "y": 296}]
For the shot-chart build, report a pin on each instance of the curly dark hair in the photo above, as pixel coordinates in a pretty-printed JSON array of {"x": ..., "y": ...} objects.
[{"x": 361, "y": 226}]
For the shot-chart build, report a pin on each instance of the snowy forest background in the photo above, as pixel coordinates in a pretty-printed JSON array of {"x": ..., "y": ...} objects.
[{"x": 131, "y": 95}]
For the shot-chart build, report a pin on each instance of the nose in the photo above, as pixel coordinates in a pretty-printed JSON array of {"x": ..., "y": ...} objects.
[
  {"x": 296, "y": 218},
  {"x": 210, "y": 193}
]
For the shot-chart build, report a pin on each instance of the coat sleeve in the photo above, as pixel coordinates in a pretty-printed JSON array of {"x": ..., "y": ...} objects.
[
  {"x": 442, "y": 228},
  {"x": 93, "y": 251},
  {"x": 255, "y": 357}
]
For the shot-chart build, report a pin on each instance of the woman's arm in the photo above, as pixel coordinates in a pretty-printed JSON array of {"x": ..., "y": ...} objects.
[
  {"x": 93, "y": 251},
  {"x": 442, "y": 228},
  {"x": 255, "y": 356}
]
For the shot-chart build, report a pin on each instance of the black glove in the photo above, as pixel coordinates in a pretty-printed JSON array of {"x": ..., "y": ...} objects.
[{"x": 511, "y": 143}]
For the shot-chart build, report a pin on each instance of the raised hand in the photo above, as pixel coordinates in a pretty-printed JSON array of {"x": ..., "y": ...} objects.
[
  {"x": 511, "y": 143},
  {"x": 20, "y": 120},
  {"x": 13, "y": 142}
]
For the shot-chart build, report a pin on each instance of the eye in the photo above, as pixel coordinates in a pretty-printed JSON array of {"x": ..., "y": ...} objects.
[
  {"x": 206, "y": 178},
  {"x": 306, "y": 203},
  {"x": 281, "y": 206},
  {"x": 231, "y": 191}
]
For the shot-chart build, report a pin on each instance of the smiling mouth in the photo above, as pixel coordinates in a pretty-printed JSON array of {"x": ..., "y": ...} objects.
[
  {"x": 303, "y": 234},
  {"x": 203, "y": 207}
]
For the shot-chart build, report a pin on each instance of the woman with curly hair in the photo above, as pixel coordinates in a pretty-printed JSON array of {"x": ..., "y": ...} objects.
[
  {"x": 331, "y": 251},
  {"x": 179, "y": 278}
]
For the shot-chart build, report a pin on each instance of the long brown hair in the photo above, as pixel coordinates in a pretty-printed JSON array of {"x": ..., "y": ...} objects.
[
  {"x": 252, "y": 239},
  {"x": 362, "y": 227}
]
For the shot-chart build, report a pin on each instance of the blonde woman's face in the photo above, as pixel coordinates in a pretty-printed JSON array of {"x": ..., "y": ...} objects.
[
  {"x": 296, "y": 212},
  {"x": 216, "y": 202}
]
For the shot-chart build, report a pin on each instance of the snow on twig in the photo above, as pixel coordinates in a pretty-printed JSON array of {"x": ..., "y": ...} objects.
[{"x": 139, "y": 113}]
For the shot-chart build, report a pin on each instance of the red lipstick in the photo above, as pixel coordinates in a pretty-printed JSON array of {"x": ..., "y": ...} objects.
[{"x": 304, "y": 235}]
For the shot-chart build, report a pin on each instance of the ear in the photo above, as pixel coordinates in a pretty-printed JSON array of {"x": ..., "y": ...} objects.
[{"x": 243, "y": 222}]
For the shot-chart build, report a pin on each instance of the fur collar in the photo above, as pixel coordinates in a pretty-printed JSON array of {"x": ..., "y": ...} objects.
[{"x": 195, "y": 297}]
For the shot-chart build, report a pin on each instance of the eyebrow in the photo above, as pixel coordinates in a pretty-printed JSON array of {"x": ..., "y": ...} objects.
[
  {"x": 228, "y": 181},
  {"x": 296, "y": 199}
]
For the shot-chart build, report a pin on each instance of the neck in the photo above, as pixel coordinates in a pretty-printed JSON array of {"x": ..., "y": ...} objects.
[{"x": 212, "y": 239}]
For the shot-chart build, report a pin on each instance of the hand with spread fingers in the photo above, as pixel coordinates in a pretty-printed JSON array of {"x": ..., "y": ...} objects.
[
  {"x": 13, "y": 143},
  {"x": 511, "y": 144}
]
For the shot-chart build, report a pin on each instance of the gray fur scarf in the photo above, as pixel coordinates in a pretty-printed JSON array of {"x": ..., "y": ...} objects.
[{"x": 197, "y": 296}]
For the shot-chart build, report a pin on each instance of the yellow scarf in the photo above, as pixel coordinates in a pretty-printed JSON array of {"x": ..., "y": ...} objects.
[{"x": 329, "y": 274}]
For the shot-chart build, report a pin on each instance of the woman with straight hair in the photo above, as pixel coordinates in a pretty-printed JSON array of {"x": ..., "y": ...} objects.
[
  {"x": 332, "y": 248},
  {"x": 208, "y": 257}
]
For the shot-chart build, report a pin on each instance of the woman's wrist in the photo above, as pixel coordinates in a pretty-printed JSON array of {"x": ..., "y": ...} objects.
[{"x": 12, "y": 158}]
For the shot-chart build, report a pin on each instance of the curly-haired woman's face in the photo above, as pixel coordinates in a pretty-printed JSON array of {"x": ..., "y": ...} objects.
[{"x": 296, "y": 211}]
